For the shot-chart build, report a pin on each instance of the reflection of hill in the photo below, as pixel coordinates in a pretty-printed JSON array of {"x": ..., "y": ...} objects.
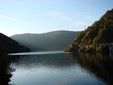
[
  {"x": 100, "y": 65},
  {"x": 56, "y": 61},
  {"x": 5, "y": 70}
]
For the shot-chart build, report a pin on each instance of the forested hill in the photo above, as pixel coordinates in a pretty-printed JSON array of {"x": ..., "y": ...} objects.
[
  {"x": 8, "y": 45},
  {"x": 56, "y": 40},
  {"x": 100, "y": 33}
]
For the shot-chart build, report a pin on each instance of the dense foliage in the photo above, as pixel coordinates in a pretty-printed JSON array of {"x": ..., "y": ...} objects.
[{"x": 97, "y": 37}]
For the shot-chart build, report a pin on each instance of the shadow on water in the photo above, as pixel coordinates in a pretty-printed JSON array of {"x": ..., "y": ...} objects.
[
  {"x": 53, "y": 61},
  {"x": 97, "y": 64},
  {"x": 5, "y": 70}
]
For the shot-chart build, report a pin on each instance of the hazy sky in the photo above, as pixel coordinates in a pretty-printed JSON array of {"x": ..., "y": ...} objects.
[{"x": 39, "y": 16}]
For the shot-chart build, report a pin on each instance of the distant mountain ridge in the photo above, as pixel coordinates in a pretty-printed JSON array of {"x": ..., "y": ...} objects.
[
  {"x": 55, "y": 40},
  {"x": 9, "y": 45}
]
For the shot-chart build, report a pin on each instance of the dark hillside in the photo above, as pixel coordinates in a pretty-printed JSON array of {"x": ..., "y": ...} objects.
[{"x": 10, "y": 46}]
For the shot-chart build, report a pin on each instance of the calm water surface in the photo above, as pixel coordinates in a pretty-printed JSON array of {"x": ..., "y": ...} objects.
[{"x": 58, "y": 68}]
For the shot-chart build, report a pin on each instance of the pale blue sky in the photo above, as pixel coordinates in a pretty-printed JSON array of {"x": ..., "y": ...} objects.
[{"x": 40, "y": 16}]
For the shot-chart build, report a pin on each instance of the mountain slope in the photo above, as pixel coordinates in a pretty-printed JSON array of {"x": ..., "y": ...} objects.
[
  {"x": 97, "y": 37},
  {"x": 56, "y": 40},
  {"x": 10, "y": 46}
]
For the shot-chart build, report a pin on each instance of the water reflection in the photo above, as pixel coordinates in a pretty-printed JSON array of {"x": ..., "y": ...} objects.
[
  {"x": 35, "y": 61},
  {"x": 5, "y": 70},
  {"x": 48, "y": 69},
  {"x": 97, "y": 64},
  {"x": 61, "y": 69}
]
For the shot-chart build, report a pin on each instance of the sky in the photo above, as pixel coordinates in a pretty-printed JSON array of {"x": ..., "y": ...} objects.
[{"x": 41, "y": 16}]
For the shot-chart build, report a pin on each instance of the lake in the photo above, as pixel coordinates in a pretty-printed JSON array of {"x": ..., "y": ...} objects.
[{"x": 59, "y": 68}]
